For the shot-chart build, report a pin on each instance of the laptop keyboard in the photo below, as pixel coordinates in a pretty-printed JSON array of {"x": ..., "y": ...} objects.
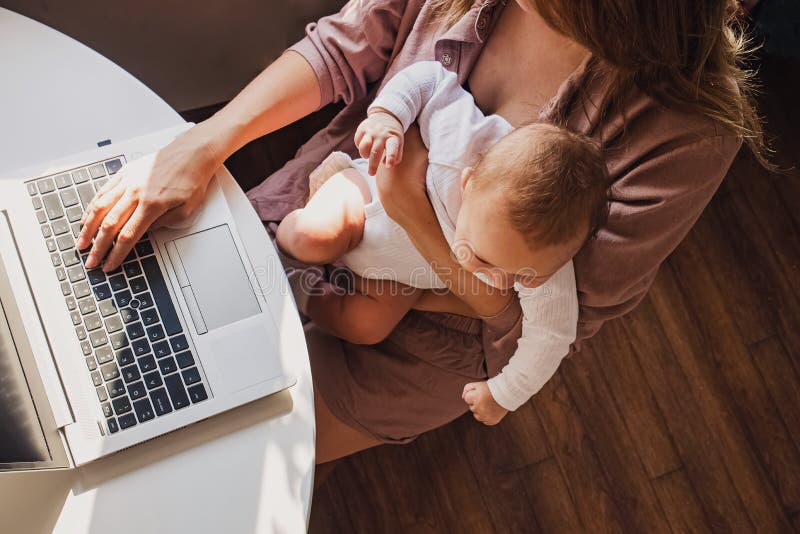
[{"x": 134, "y": 346}]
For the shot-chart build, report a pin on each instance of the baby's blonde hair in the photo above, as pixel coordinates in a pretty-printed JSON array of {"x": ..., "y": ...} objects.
[{"x": 555, "y": 182}]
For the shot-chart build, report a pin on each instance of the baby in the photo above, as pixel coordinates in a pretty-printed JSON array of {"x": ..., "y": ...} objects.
[{"x": 514, "y": 205}]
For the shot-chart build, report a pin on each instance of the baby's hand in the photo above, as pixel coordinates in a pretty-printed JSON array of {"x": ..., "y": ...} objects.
[
  {"x": 482, "y": 404},
  {"x": 380, "y": 132}
]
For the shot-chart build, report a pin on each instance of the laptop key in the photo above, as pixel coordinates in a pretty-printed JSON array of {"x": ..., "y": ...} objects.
[
  {"x": 74, "y": 214},
  {"x": 161, "y": 349},
  {"x": 55, "y": 259},
  {"x": 65, "y": 242},
  {"x": 69, "y": 197},
  {"x": 102, "y": 291},
  {"x": 113, "y": 427},
  {"x": 107, "y": 411},
  {"x": 179, "y": 343},
  {"x": 80, "y": 331},
  {"x": 97, "y": 379},
  {"x": 60, "y": 226},
  {"x": 76, "y": 317},
  {"x": 61, "y": 274},
  {"x": 147, "y": 363},
  {"x": 149, "y": 317},
  {"x": 86, "y": 194},
  {"x": 135, "y": 330},
  {"x": 125, "y": 356},
  {"x": 167, "y": 365},
  {"x": 132, "y": 269},
  {"x": 87, "y": 305},
  {"x": 128, "y": 315},
  {"x": 119, "y": 340},
  {"x": 161, "y": 295},
  {"x": 51, "y": 245},
  {"x": 66, "y": 289},
  {"x": 113, "y": 165},
  {"x": 140, "y": 347},
  {"x": 93, "y": 321},
  {"x": 41, "y": 216},
  {"x": 144, "y": 248},
  {"x": 136, "y": 391},
  {"x": 70, "y": 258},
  {"x": 82, "y": 290},
  {"x": 145, "y": 300},
  {"x": 113, "y": 324},
  {"x": 126, "y": 421},
  {"x": 116, "y": 388},
  {"x": 160, "y": 401},
  {"x": 176, "y": 391},
  {"x": 144, "y": 410},
  {"x": 130, "y": 374},
  {"x": 98, "y": 184},
  {"x": 118, "y": 282},
  {"x": 107, "y": 307},
  {"x": 52, "y": 206},
  {"x": 123, "y": 298},
  {"x": 92, "y": 365},
  {"x": 46, "y": 185},
  {"x": 155, "y": 332},
  {"x": 86, "y": 348},
  {"x": 46, "y": 230},
  {"x": 97, "y": 171},
  {"x": 121, "y": 405},
  {"x": 63, "y": 180},
  {"x": 32, "y": 188},
  {"x": 96, "y": 276},
  {"x": 198, "y": 393},
  {"x": 191, "y": 376},
  {"x": 80, "y": 176},
  {"x": 184, "y": 359},
  {"x": 76, "y": 229},
  {"x": 101, "y": 394},
  {"x": 153, "y": 380},
  {"x": 110, "y": 371},
  {"x": 138, "y": 284},
  {"x": 104, "y": 354},
  {"x": 98, "y": 338}
]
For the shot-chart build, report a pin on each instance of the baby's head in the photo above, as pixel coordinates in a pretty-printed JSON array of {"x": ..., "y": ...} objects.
[{"x": 529, "y": 204}]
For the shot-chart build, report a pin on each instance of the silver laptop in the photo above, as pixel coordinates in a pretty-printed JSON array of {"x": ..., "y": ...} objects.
[{"x": 93, "y": 362}]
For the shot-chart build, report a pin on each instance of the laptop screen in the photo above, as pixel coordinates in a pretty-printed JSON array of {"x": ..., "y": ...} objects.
[{"x": 22, "y": 439}]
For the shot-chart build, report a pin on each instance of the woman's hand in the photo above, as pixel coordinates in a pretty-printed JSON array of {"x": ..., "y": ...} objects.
[{"x": 163, "y": 188}]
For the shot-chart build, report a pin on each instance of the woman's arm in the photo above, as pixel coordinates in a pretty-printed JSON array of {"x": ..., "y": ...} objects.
[
  {"x": 340, "y": 57},
  {"x": 403, "y": 195}
]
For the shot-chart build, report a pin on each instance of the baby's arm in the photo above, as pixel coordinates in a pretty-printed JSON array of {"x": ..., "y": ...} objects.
[
  {"x": 550, "y": 317},
  {"x": 364, "y": 315}
]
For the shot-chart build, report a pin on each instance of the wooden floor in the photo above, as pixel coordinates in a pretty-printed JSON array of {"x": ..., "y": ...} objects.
[{"x": 683, "y": 416}]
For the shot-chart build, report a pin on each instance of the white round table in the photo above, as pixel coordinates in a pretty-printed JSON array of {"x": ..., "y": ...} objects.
[{"x": 248, "y": 470}]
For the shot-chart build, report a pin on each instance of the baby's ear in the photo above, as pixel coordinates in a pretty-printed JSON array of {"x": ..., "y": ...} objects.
[{"x": 466, "y": 176}]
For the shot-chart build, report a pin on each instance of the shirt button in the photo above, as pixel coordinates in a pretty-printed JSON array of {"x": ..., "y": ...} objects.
[
  {"x": 447, "y": 59},
  {"x": 482, "y": 23}
]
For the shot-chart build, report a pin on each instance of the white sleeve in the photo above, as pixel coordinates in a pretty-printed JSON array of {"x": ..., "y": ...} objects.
[{"x": 549, "y": 324}]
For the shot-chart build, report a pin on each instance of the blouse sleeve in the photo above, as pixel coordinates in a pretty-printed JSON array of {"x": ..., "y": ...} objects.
[
  {"x": 653, "y": 206},
  {"x": 350, "y": 50}
]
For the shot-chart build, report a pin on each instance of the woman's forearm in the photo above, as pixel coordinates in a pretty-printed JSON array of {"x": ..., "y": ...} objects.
[{"x": 284, "y": 92}]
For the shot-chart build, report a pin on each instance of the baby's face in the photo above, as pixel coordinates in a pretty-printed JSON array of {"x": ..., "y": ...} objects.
[{"x": 487, "y": 245}]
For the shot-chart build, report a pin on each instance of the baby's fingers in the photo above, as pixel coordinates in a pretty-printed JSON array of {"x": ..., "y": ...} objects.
[
  {"x": 394, "y": 151},
  {"x": 376, "y": 155},
  {"x": 365, "y": 145}
]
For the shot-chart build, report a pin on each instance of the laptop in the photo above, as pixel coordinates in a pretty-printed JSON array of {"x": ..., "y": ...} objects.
[{"x": 93, "y": 362}]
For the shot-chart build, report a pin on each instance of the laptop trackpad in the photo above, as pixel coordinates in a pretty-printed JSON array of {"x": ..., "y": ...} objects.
[{"x": 212, "y": 278}]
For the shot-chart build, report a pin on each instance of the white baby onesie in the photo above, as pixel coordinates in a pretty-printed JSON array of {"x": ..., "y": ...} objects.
[{"x": 455, "y": 130}]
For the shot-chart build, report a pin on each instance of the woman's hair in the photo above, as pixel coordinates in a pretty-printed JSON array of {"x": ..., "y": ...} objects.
[{"x": 689, "y": 55}]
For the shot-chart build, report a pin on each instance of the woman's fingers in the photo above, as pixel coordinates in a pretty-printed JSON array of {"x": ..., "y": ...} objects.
[
  {"x": 96, "y": 211},
  {"x": 114, "y": 220},
  {"x": 131, "y": 232},
  {"x": 375, "y": 155}
]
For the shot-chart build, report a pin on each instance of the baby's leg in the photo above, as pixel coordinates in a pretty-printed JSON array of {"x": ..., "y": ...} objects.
[
  {"x": 364, "y": 315},
  {"x": 332, "y": 222}
]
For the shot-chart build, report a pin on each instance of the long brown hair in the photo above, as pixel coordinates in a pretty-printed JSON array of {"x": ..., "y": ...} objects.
[{"x": 689, "y": 55}]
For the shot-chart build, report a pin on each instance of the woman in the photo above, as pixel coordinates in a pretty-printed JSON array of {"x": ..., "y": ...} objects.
[{"x": 661, "y": 90}]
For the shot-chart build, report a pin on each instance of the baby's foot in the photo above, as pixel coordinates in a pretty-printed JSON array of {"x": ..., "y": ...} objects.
[{"x": 336, "y": 162}]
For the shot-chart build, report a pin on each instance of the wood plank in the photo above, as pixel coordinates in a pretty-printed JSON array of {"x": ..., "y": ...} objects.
[
  {"x": 329, "y": 512},
  {"x": 696, "y": 443},
  {"x": 503, "y": 489},
  {"x": 700, "y": 335},
  {"x": 549, "y": 495},
  {"x": 680, "y": 503},
  {"x": 576, "y": 458},
  {"x": 629, "y": 483},
  {"x": 635, "y": 400},
  {"x": 525, "y": 437}
]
